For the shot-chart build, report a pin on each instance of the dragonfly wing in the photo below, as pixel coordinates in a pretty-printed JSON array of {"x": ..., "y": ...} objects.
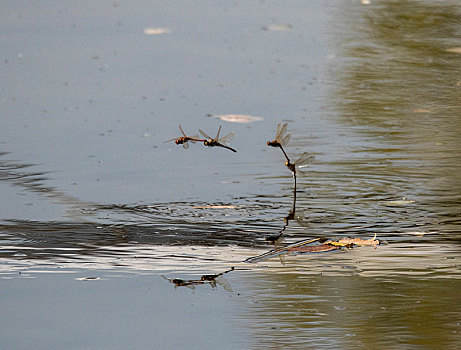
[
  {"x": 282, "y": 131},
  {"x": 224, "y": 283},
  {"x": 186, "y": 145},
  {"x": 182, "y": 131},
  {"x": 279, "y": 128},
  {"x": 226, "y": 139},
  {"x": 171, "y": 140},
  {"x": 285, "y": 140},
  {"x": 203, "y": 134},
  {"x": 217, "y": 135},
  {"x": 304, "y": 159}
]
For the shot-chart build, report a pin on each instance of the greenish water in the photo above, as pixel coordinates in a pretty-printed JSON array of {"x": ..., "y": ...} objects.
[{"x": 97, "y": 210}]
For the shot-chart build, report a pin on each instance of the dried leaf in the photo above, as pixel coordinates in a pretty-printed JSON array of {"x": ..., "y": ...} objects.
[{"x": 354, "y": 241}]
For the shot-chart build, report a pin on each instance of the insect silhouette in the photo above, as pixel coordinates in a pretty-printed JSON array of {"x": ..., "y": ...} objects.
[
  {"x": 302, "y": 162},
  {"x": 218, "y": 142},
  {"x": 218, "y": 278},
  {"x": 184, "y": 140},
  {"x": 212, "y": 280},
  {"x": 281, "y": 139}
]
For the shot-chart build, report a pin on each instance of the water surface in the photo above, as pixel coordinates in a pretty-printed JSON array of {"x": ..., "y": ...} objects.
[{"x": 95, "y": 203}]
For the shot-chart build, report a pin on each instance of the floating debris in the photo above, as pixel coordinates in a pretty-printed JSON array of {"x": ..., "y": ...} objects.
[
  {"x": 237, "y": 118},
  {"x": 87, "y": 279},
  {"x": 156, "y": 31},
  {"x": 454, "y": 50},
  {"x": 277, "y": 27},
  {"x": 396, "y": 203},
  {"x": 349, "y": 242},
  {"x": 278, "y": 251},
  {"x": 305, "y": 247}
]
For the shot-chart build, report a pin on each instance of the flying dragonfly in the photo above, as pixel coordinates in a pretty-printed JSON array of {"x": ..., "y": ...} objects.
[
  {"x": 184, "y": 140},
  {"x": 302, "y": 162},
  {"x": 219, "y": 142},
  {"x": 281, "y": 139}
]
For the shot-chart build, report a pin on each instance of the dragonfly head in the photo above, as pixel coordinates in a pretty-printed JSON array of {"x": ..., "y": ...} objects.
[
  {"x": 290, "y": 166},
  {"x": 206, "y": 142}
]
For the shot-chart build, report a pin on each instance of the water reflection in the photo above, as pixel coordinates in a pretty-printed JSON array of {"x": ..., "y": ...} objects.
[
  {"x": 21, "y": 175},
  {"x": 397, "y": 87},
  {"x": 388, "y": 162},
  {"x": 396, "y": 94},
  {"x": 345, "y": 312},
  {"x": 213, "y": 280}
]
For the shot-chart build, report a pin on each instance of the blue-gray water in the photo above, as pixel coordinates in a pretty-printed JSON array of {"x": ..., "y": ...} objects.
[{"x": 97, "y": 208}]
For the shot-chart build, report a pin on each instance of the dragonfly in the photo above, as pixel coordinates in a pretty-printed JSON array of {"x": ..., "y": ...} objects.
[
  {"x": 212, "y": 280},
  {"x": 218, "y": 278},
  {"x": 302, "y": 162},
  {"x": 281, "y": 139},
  {"x": 184, "y": 140},
  {"x": 298, "y": 166},
  {"x": 219, "y": 142}
]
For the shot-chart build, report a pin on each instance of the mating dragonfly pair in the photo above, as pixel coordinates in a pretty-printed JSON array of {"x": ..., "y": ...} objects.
[
  {"x": 282, "y": 139},
  {"x": 207, "y": 141}
]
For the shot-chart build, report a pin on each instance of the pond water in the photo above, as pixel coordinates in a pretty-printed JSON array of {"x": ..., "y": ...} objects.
[{"x": 106, "y": 230}]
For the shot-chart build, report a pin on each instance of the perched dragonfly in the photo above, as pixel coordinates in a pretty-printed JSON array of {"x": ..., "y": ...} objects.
[
  {"x": 281, "y": 139},
  {"x": 302, "y": 162},
  {"x": 184, "y": 140},
  {"x": 219, "y": 142}
]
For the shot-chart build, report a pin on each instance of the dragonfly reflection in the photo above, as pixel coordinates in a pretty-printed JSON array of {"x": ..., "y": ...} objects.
[
  {"x": 281, "y": 138},
  {"x": 277, "y": 239},
  {"x": 218, "y": 278},
  {"x": 219, "y": 142},
  {"x": 184, "y": 140},
  {"x": 212, "y": 280}
]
